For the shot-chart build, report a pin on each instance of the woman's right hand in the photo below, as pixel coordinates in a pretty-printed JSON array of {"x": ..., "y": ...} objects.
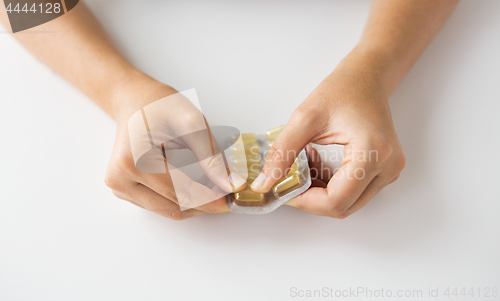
[{"x": 155, "y": 191}]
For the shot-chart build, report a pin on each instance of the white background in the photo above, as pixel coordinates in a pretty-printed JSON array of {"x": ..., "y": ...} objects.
[{"x": 64, "y": 236}]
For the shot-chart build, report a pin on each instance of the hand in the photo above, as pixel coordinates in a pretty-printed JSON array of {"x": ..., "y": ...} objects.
[
  {"x": 154, "y": 189},
  {"x": 349, "y": 107}
]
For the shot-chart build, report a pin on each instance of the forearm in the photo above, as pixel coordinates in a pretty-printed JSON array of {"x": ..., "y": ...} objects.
[
  {"x": 80, "y": 51},
  {"x": 396, "y": 34}
]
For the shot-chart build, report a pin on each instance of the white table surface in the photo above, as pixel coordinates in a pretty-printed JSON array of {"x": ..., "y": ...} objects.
[{"x": 64, "y": 236}]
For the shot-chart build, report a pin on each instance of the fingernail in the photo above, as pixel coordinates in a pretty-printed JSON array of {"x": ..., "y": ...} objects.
[
  {"x": 236, "y": 180},
  {"x": 258, "y": 182}
]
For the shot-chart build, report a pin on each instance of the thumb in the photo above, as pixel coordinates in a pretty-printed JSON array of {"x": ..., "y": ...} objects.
[{"x": 294, "y": 137}]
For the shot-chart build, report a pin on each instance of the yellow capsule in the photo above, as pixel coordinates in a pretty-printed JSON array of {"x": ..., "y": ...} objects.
[
  {"x": 249, "y": 149},
  {"x": 286, "y": 184},
  {"x": 249, "y": 198},
  {"x": 247, "y": 138},
  {"x": 246, "y": 162},
  {"x": 293, "y": 169},
  {"x": 273, "y": 133},
  {"x": 254, "y": 168},
  {"x": 252, "y": 176}
]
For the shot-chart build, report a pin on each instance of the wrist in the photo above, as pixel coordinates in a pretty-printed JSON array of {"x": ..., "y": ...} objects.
[
  {"x": 135, "y": 91},
  {"x": 377, "y": 63}
]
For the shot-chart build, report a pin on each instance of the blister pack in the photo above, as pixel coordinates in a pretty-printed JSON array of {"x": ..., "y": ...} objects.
[{"x": 248, "y": 161}]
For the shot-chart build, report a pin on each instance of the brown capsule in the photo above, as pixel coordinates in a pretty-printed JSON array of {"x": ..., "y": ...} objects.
[
  {"x": 287, "y": 184},
  {"x": 249, "y": 198},
  {"x": 293, "y": 169}
]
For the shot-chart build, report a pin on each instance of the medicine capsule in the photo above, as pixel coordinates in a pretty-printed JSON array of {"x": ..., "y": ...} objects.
[
  {"x": 273, "y": 133},
  {"x": 247, "y": 162},
  {"x": 249, "y": 149},
  {"x": 287, "y": 184},
  {"x": 249, "y": 198},
  {"x": 255, "y": 168},
  {"x": 252, "y": 176},
  {"x": 247, "y": 138},
  {"x": 293, "y": 169}
]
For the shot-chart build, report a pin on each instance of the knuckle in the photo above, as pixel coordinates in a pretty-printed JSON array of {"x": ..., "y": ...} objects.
[
  {"x": 306, "y": 111},
  {"x": 304, "y": 115},
  {"x": 343, "y": 215},
  {"x": 336, "y": 210},
  {"x": 112, "y": 181},
  {"x": 278, "y": 158},
  {"x": 176, "y": 215},
  {"x": 124, "y": 164},
  {"x": 276, "y": 152},
  {"x": 400, "y": 162},
  {"x": 380, "y": 151},
  {"x": 194, "y": 118},
  {"x": 300, "y": 114},
  {"x": 384, "y": 151}
]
